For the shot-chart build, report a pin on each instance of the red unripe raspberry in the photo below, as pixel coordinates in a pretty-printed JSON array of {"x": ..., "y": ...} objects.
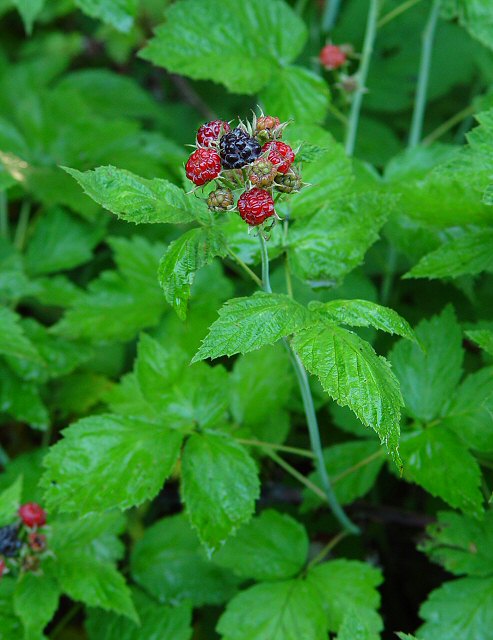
[
  {"x": 209, "y": 132},
  {"x": 32, "y": 515},
  {"x": 203, "y": 165},
  {"x": 280, "y": 154},
  {"x": 3, "y": 566},
  {"x": 332, "y": 57},
  {"x": 255, "y": 206}
]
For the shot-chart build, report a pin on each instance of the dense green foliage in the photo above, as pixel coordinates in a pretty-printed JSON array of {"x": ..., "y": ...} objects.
[{"x": 154, "y": 399}]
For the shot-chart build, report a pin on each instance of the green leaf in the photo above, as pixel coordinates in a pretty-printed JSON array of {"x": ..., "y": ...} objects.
[
  {"x": 406, "y": 636},
  {"x": 475, "y": 16},
  {"x": 35, "y": 601},
  {"x": 22, "y": 400},
  {"x": 348, "y": 585},
  {"x": 132, "y": 198},
  {"x": 131, "y": 458},
  {"x": 60, "y": 242},
  {"x": 96, "y": 584},
  {"x": 246, "y": 324},
  {"x": 463, "y": 545},
  {"x": 353, "y": 628},
  {"x": 362, "y": 313},
  {"x": 327, "y": 246},
  {"x": 181, "y": 396},
  {"x": 258, "y": 402},
  {"x": 241, "y": 49},
  {"x": 288, "y": 610},
  {"x": 428, "y": 376},
  {"x": 469, "y": 412},
  {"x": 13, "y": 341},
  {"x": 117, "y": 13},
  {"x": 353, "y": 375},
  {"x": 118, "y": 304},
  {"x": 157, "y": 621},
  {"x": 458, "y": 609},
  {"x": 483, "y": 338},
  {"x": 438, "y": 461},
  {"x": 271, "y": 546},
  {"x": 170, "y": 563},
  {"x": 219, "y": 486},
  {"x": 192, "y": 251},
  {"x": 29, "y": 10},
  {"x": 10, "y": 500},
  {"x": 10, "y": 624},
  {"x": 296, "y": 93},
  {"x": 353, "y": 468},
  {"x": 469, "y": 253}
]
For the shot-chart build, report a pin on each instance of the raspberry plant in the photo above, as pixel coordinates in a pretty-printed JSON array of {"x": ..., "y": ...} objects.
[{"x": 263, "y": 411}]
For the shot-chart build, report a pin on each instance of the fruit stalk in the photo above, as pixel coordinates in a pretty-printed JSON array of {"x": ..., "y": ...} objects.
[{"x": 309, "y": 407}]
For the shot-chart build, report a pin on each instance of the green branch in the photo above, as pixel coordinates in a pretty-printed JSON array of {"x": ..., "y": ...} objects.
[
  {"x": 424, "y": 74},
  {"x": 309, "y": 407},
  {"x": 362, "y": 75}
]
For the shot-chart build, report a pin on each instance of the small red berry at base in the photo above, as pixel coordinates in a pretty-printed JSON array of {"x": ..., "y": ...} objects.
[
  {"x": 255, "y": 206},
  {"x": 3, "y": 566},
  {"x": 280, "y": 154},
  {"x": 32, "y": 515},
  {"x": 203, "y": 165},
  {"x": 37, "y": 541},
  {"x": 332, "y": 57},
  {"x": 210, "y": 132}
]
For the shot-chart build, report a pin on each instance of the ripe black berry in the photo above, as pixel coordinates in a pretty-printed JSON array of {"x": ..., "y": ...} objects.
[
  {"x": 9, "y": 544},
  {"x": 238, "y": 149}
]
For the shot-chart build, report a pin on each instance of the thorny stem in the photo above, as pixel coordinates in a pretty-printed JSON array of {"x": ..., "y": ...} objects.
[
  {"x": 330, "y": 14},
  {"x": 396, "y": 12},
  {"x": 361, "y": 76},
  {"x": 424, "y": 74},
  {"x": 311, "y": 416}
]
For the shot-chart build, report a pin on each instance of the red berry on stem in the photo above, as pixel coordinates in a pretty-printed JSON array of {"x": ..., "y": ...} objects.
[
  {"x": 32, "y": 515},
  {"x": 280, "y": 154},
  {"x": 210, "y": 131},
  {"x": 255, "y": 206},
  {"x": 332, "y": 57},
  {"x": 203, "y": 165}
]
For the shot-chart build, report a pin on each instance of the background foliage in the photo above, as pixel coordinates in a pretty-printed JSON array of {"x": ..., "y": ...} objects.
[{"x": 182, "y": 500}]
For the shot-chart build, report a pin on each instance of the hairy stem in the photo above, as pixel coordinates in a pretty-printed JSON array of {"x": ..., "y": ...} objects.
[
  {"x": 361, "y": 76},
  {"x": 424, "y": 74},
  {"x": 309, "y": 407}
]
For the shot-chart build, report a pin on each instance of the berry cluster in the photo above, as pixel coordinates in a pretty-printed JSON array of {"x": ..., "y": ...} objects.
[
  {"x": 21, "y": 543},
  {"x": 249, "y": 164}
]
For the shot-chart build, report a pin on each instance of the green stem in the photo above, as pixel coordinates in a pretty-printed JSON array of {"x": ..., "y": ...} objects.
[
  {"x": 245, "y": 267},
  {"x": 389, "y": 275},
  {"x": 305, "y": 453},
  {"x": 309, "y": 407},
  {"x": 424, "y": 74},
  {"x": 4, "y": 216},
  {"x": 330, "y": 14},
  {"x": 326, "y": 550},
  {"x": 296, "y": 474},
  {"x": 361, "y": 76},
  {"x": 396, "y": 12},
  {"x": 21, "y": 229},
  {"x": 448, "y": 124}
]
